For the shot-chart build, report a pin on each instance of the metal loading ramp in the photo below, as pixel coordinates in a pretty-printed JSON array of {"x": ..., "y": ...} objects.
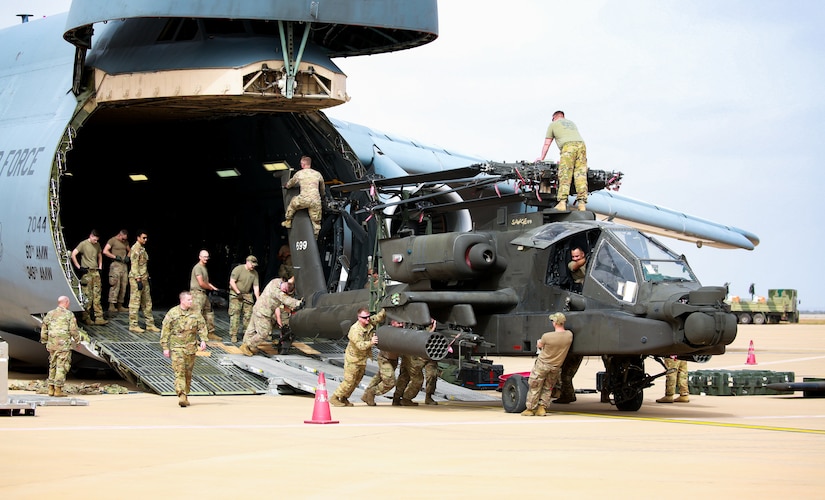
[{"x": 223, "y": 370}]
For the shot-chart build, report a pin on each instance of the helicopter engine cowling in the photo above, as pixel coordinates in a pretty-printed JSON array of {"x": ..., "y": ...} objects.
[{"x": 441, "y": 257}]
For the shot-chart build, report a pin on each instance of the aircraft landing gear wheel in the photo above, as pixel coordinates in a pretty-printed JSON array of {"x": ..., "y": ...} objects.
[
  {"x": 627, "y": 375},
  {"x": 744, "y": 319},
  {"x": 514, "y": 394},
  {"x": 758, "y": 319}
]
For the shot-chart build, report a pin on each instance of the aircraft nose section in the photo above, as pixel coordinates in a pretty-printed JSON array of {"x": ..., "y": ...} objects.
[{"x": 708, "y": 329}]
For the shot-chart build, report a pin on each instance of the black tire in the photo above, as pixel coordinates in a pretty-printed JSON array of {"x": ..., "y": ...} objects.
[
  {"x": 758, "y": 319},
  {"x": 632, "y": 404},
  {"x": 744, "y": 318},
  {"x": 514, "y": 394}
]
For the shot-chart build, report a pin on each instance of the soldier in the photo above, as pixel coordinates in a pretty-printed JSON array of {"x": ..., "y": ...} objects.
[
  {"x": 430, "y": 381},
  {"x": 411, "y": 379},
  {"x": 117, "y": 249},
  {"x": 384, "y": 380},
  {"x": 88, "y": 270},
  {"x": 286, "y": 270},
  {"x": 243, "y": 282},
  {"x": 680, "y": 374},
  {"x": 311, "y": 183},
  {"x": 140, "y": 297},
  {"x": 361, "y": 339},
  {"x": 553, "y": 347},
  {"x": 572, "y": 162},
  {"x": 576, "y": 267},
  {"x": 182, "y": 327},
  {"x": 276, "y": 294},
  {"x": 60, "y": 333},
  {"x": 199, "y": 284}
]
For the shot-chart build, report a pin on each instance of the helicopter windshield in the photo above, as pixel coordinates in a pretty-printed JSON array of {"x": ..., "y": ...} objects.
[{"x": 658, "y": 262}]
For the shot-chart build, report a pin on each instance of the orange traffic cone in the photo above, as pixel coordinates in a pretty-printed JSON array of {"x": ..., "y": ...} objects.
[
  {"x": 751, "y": 355},
  {"x": 320, "y": 413}
]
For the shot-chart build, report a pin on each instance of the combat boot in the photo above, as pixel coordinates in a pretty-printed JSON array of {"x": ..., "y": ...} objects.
[
  {"x": 429, "y": 400},
  {"x": 581, "y": 205},
  {"x": 396, "y": 399},
  {"x": 564, "y": 399},
  {"x": 58, "y": 392},
  {"x": 112, "y": 307},
  {"x": 408, "y": 402},
  {"x": 528, "y": 413},
  {"x": 541, "y": 411},
  {"x": 247, "y": 352},
  {"x": 152, "y": 328},
  {"x": 287, "y": 224},
  {"x": 684, "y": 398},
  {"x": 561, "y": 206},
  {"x": 183, "y": 401},
  {"x": 336, "y": 401},
  {"x": 665, "y": 399},
  {"x": 369, "y": 397},
  {"x": 212, "y": 336},
  {"x": 88, "y": 319},
  {"x": 101, "y": 321},
  {"x": 234, "y": 339},
  {"x": 346, "y": 402},
  {"x": 136, "y": 329},
  {"x": 51, "y": 389},
  {"x": 122, "y": 308}
]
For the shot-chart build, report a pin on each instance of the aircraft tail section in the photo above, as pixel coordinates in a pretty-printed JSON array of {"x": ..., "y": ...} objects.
[{"x": 310, "y": 282}]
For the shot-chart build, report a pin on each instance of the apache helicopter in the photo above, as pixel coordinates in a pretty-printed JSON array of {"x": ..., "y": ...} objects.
[{"x": 491, "y": 289}]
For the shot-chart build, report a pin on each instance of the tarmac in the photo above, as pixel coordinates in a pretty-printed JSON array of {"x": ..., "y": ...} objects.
[{"x": 258, "y": 446}]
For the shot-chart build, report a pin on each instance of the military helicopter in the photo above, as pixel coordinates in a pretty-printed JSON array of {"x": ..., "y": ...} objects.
[{"x": 492, "y": 288}]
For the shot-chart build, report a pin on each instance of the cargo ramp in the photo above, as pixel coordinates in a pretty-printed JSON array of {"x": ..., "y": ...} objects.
[{"x": 223, "y": 370}]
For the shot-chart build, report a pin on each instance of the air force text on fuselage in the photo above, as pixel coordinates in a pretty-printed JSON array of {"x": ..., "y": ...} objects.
[{"x": 18, "y": 162}]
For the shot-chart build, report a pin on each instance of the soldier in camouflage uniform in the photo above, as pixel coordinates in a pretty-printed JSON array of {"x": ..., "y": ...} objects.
[
  {"x": 117, "y": 249},
  {"x": 182, "y": 327},
  {"x": 430, "y": 381},
  {"x": 140, "y": 297},
  {"x": 411, "y": 378},
  {"x": 89, "y": 266},
  {"x": 361, "y": 339},
  {"x": 680, "y": 376},
  {"x": 553, "y": 347},
  {"x": 311, "y": 183},
  {"x": 199, "y": 284},
  {"x": 572, "y": 160},
  {"x": 60, "y": 333},
  {"x": 384, "y": 380},
  {"x": 243, "y": 283},
  {"x": 275, "y": 294}
]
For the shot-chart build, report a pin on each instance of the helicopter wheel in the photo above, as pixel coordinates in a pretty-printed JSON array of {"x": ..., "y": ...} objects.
[
  {"x": 629, "y": 372},
  {"x": 514, "y": 394}
]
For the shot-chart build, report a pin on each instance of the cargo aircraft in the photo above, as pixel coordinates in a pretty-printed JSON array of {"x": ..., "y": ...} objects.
[{"x": 183, "y": 118}]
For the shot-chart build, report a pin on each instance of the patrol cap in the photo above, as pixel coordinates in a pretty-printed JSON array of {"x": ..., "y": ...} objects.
[
  {"x": 558, "y": 318},
  {"x": 252, "y": 259}
]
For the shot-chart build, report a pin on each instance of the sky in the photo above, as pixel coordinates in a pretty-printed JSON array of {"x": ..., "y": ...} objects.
[{"x": 710, "y": 108}]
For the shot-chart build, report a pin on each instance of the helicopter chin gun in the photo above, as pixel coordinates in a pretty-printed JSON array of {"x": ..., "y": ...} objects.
[{"x": 441, "y": 257}]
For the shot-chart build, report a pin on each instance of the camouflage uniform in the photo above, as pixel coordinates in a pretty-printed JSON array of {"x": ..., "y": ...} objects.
[
  {"x": 546, "y": 369},
  {"x": 140, "y": 299},
  {"x": 572, "y": 159},
  {"x": 200, "y": 301},
  {"x": 90, "y": 282},
  {"x": 311, "y": 183},
  {"x": 60, "y": 333},
  {"x": 263, "y": 313},
  {"x": 240, "y": 306},
  {"x": 384, "y": 380},
  {"x": 680, "y": 376},
  {"x": 180, "y": 333},
  {"x": 118, "y": 270},
  {"x": 359, "y": 348},
  {"x": 567, "y": 393},
  {"x": 430, "y": 379},
  {"x": 410, "y": 379}
]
